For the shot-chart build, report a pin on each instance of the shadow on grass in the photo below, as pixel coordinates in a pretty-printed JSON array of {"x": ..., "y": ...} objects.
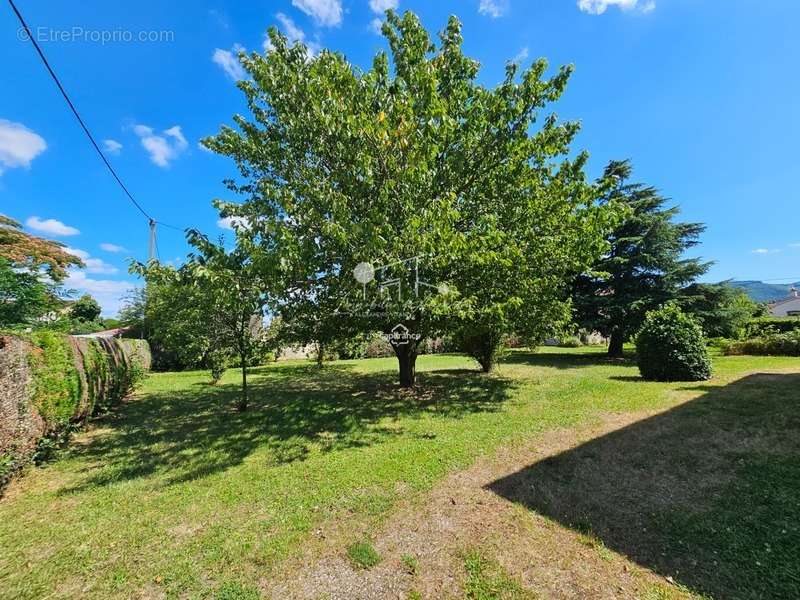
[
  {"x": 193, "y": 430},
  {"x": 708, "y": 492},
  {"x": 566, "y": 360}
]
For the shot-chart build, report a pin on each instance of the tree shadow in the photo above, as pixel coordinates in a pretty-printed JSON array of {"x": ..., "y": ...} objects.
[
  {"x": 566, "y": 360},
  {"x": 193, "y": 431},
  {"x": 708, "y": 492}
]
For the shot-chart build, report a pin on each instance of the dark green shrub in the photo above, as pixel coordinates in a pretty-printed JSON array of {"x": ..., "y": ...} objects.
[
  {"x": 484, "y": 344},
  {"x": 670, "y": 347},
  {"x": 378, "y": 348},
  {"x": 770, "y": 344},
  {"x": 217, "y": 364}
]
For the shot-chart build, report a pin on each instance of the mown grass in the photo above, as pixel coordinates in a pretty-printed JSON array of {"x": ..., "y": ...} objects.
[{"x": 177, "y": 494}]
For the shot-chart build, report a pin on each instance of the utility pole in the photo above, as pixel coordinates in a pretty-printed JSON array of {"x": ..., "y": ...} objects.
[{"x": 151, "y": 248}]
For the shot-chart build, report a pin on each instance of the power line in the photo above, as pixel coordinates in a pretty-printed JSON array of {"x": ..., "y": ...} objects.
[{"x": 75, "y": 111}]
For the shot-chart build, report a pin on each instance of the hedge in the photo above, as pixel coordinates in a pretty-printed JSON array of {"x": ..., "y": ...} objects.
[
  {"x": 770, "y": 344},
  {"x": 51, "y": 383},
  {"x": 761, "y": 326}
]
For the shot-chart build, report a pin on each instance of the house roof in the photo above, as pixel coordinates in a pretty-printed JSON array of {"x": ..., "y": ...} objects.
[{"x": 784, "y": 301}]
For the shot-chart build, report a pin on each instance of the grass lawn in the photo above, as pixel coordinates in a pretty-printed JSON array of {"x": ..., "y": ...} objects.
[{"x": 176, "y": 494}]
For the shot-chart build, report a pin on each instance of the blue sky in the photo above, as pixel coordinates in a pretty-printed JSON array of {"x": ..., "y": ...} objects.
[{"x": 701, "y": 95}]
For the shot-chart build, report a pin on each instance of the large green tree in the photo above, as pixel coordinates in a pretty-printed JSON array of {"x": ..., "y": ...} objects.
[
  {"x": 645, "y": 266},
  {"x": 411, "y": 169}
]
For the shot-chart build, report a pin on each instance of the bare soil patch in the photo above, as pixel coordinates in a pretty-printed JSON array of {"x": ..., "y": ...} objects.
[{"x": 462, "y": 513}]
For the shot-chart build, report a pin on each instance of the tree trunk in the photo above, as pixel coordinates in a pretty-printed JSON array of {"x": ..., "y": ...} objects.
[
  {"x": 487, "y": 363},
  {"x": 320, "y": 353},
  {"x": 242, "y": 406},
  {"x": 616, "y": 342},
  {"x": 407, "y": 360}
]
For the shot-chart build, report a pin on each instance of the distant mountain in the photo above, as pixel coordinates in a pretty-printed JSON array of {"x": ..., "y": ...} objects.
[{"x": 765, "y": 292}]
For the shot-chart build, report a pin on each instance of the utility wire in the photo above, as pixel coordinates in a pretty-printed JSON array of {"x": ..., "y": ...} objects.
[{"x": 75, "y": 111}]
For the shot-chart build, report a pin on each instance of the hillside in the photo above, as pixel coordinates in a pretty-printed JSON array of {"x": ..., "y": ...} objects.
[{"x": 765, "y": 292}]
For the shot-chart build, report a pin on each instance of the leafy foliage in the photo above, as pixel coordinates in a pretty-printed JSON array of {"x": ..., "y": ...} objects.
[
  {"x": 56, "y": 383},
  {"x": 26, "y": 251},
  {"x": 31, "y": 270},
  {"x": 171, "y": 316},
  {"x": 645, "y": 266},
  {"x": 721, "y": 309},
  {"x": 24, "y": 296},
  {"x": 670, "y": 347},
  {"x": 85, "y": 309}
]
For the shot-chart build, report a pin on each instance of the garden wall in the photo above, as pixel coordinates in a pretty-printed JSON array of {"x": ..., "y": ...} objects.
[{"x": 51, "y": 383}]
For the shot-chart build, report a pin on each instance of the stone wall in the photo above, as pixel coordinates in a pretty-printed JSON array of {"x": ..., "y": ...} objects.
[{"x": 51, "y": 382}]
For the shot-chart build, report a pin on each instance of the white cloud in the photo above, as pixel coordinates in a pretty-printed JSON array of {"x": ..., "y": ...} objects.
[
  {"x": 493, "y": 8},
  {"x": 112, "y": 247},
  {"x": 162, "y": 149},
  {"x": 381, "y": 6},
  {"x": 228, "y": 60},
  {"x": 109, "y": 294},
  {"x": 82, "y": 254},
  {"x": 292, "y": 31},
  {"x": 326, "y": 13},
  {"x": 51, "y": 226},
  {"x": 93, "y": 265},
  {"x": 521, "y": 56},
  {"x": 231, "y": 222},
  {"x": 766, "y": 251},
  {"x": 795, "y": 245},
  {"x": 18, "y": 145},
  {"x": 598, "y": 7},
  {"x": 294, "y": 34},
  {"x": 112, "y": 146},
  {"x": 97, "y": 265},
  {"x": 375, "y": 25}
]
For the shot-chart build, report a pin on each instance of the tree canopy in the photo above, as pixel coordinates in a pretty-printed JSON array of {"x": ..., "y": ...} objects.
[
  {"x": 31, "y": 270},
  {"x": 25, "y": 251},
  {"x": 721, "y": 309},
  {"x": 85, "y": 309}
]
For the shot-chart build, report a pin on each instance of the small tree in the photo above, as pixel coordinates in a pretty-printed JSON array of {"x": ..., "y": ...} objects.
[
  {"x": 670, "y": 347},
  {"x": 645, "y": 265},
  {"x": 216, "y": 300},
  {"x": 235, "y": 294},
  {"x": 85, "y": 309}
]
